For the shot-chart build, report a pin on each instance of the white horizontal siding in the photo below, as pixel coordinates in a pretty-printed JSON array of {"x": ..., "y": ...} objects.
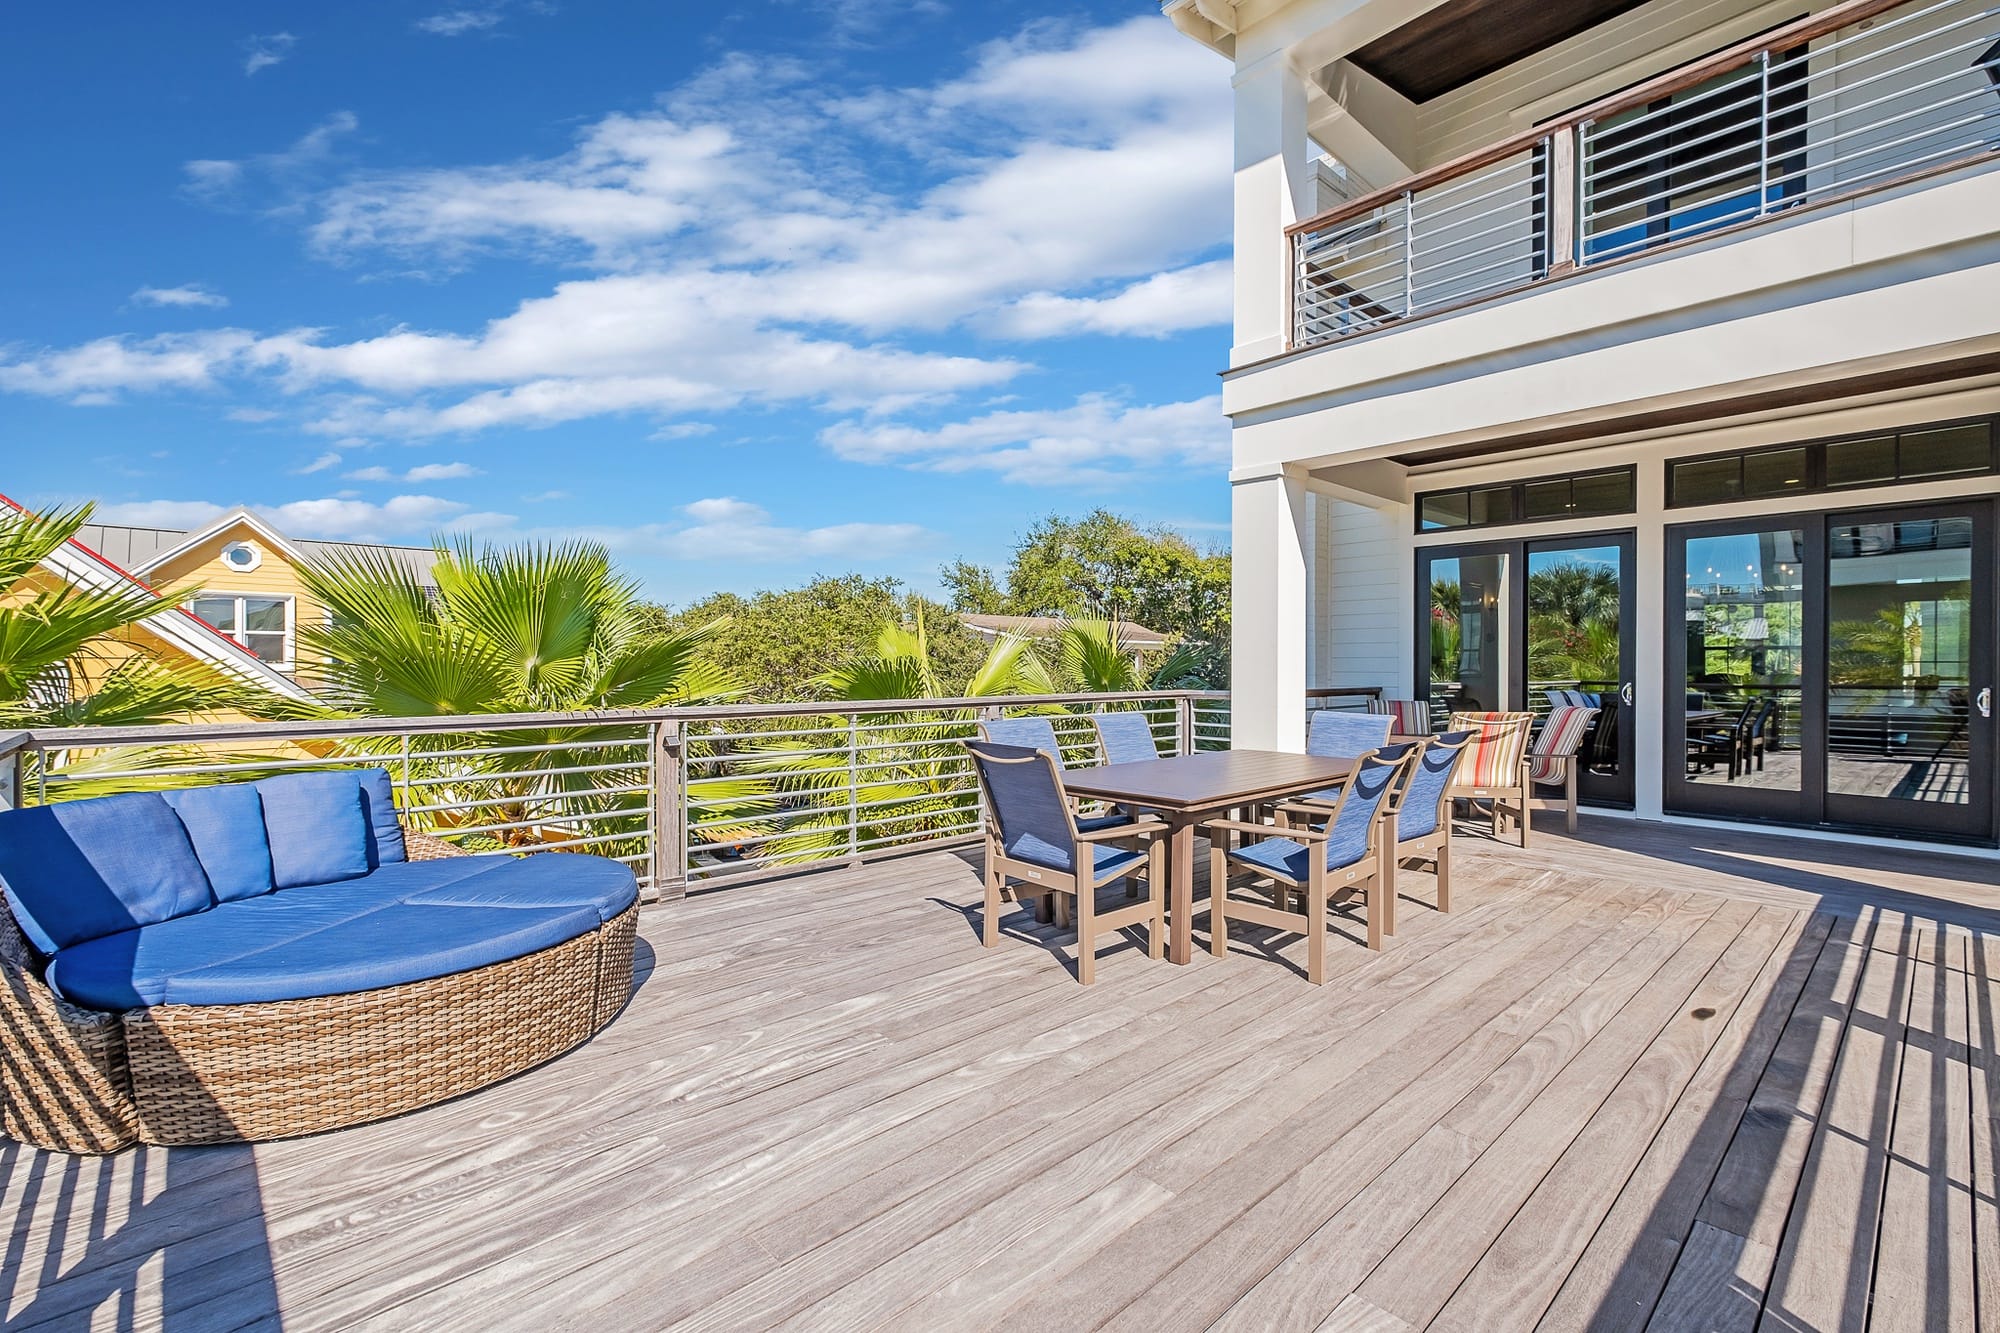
[{"x": 1358, "y": 612}]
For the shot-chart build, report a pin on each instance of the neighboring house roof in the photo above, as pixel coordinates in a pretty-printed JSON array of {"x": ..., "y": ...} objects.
[
  {"x": 143, "y": 550},
  {"x": 1133, "y": 635},
  {"x": 84, "y": 567}
]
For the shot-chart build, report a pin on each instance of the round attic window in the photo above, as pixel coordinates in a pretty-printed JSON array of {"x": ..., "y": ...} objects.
[{"x": 242, "y": 557}]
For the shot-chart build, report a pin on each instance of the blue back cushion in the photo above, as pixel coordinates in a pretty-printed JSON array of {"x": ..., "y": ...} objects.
[
  {"x": 226, "y": 825},
  {"x": 1033, "y": 733},
  {"x": 317, "y": 825},
  {"x": 83, "y": 869},
  {"x": 1345, "y": 735},
  {"x": 385, "y": 833}
]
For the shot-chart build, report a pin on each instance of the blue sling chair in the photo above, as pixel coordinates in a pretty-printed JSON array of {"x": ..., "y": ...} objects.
[
  {"x": 1038, "y": 733},
  {"x": 1329, "y": 865},
  {"x": 1419, "y": 814},
  {"x": 1032, "y": 839},
  {"x": 1125, "y": 738},
  {"x": 1335, "y": 735}
]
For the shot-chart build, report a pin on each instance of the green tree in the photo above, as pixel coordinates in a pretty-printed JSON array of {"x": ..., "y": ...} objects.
[
  {"x": 525, "y": 629},
  {"x": 1103, "y": 566},
  {"x": 974, "y": 589}
]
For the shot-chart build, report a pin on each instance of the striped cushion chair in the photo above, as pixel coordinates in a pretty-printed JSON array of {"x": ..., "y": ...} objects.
[
  {"x": 1556, "y": 755},
  {"x": 1493, "y": 766},
  {"x": 1407, "y": 717}
]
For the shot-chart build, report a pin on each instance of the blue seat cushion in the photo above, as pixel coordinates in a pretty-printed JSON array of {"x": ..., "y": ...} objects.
[
  {"x": 551, "y": 879},
  {"x": 226, "y": 825},
  {"x": 317, "y": 825},
  {"x": 1095, "y": 822},
  {"x": 1293, "y": 860},
  {"x": 405, "y": 922},
  {"x": 1112, "y": 862},
  {"x": 81, "y": 869}
]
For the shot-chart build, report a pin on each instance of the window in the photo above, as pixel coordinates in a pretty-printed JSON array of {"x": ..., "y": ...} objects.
[
  {"x": 1588, "y": 495},
  {"x": 261, "y": 624},
  {"x": 1959, "y": 449}
]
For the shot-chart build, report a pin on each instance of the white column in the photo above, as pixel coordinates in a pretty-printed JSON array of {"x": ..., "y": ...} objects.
[
  {"x": 1269, "y": 532},
  {"x": 1271, "y": 194}
]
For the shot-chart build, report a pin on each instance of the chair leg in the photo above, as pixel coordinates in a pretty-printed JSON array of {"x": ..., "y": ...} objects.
[
  {"x": 1218, "y": 900},
  {"x": 1385, "y": 881},
  {"x": 1316, "y": 923},
  {"x": 1086, "y": 933},
  {"x": 1523, "y": 808},
  {"x": 991, "y": 928},
  {"x": 1156, "y": 891},
  {"x": 1444, "y": 874},
  {"x": 1061, "y": 906}
]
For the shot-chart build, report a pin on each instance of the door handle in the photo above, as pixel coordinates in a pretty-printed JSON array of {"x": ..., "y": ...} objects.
[
  {"x": 1625, "y": 694},
  {"x": 1985, "y": 701}
]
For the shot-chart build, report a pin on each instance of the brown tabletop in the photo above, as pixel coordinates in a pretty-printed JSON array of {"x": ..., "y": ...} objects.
[{"x": 1189, "y": 788}]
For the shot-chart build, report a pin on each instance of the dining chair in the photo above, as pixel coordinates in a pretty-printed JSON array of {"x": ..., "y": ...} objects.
[
  {"x": 1328, "y": 865},
  {"x": 1421, "y": 813},
  {"x": 1038, "y": 733},
  {"x": 1762, "y": 736},
  {"x": 1338, "y": 735},
  {"x": 1493, "y": 766},
  {"x": 1032, "y": 839},
  {"x": 1557, "y": 755},
  {"x": 1407, "y": 717},
  {"x": 1125, "y": 738}
]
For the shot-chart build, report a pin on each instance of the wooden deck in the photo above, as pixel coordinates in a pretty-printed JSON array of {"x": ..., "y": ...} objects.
[{"x": 1653, "y": 1077}]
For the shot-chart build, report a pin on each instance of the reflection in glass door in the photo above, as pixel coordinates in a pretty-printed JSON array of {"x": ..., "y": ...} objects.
[
  {"x": 1576, "y": 653},
  {"x": 1836, "y": 670},
  {"x": 1465, "y": 600},
  {"x": 1906, "y": 635}
]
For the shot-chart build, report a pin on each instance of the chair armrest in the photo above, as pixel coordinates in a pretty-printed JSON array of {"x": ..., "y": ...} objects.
[{"x": 1138, "y": 828}]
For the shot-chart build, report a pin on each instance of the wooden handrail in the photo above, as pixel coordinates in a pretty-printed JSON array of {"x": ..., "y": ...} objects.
[{"x": 1807, "y": 29}]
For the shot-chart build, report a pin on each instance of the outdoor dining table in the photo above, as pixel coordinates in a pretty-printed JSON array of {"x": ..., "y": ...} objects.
[{"x": 1187, "y": 789}]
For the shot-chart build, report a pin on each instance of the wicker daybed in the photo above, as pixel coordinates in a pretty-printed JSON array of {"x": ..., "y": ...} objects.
[{"x": 274, "y": 958}]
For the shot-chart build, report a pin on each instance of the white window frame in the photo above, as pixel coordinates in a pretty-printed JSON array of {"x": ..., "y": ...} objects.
[{"x": 240, "y": 636}]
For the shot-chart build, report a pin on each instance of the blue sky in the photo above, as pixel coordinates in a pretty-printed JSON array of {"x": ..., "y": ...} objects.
[{"x": 749, "y": 292}]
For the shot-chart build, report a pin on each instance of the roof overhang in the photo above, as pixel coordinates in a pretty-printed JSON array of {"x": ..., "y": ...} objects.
[{"x": 237, "y": 517}]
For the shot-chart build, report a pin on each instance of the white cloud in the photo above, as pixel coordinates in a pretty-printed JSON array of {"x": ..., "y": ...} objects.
[
  {"x": 1156, "y": 307},
  {"x": 264, "y": 52},
  {"x": 458, "y": 22},
  {"x": 762, "y": 239},
  {"x": 421, "y": 472},
  {"x": 190, "y": 294},
  {"x": 726, "y": 528},
  {"x": 333, "y": 517},
  {"x": 320, "y": 464},
  {"x": 254, "y": 416},
  {"x": 1095, "y": 441}
]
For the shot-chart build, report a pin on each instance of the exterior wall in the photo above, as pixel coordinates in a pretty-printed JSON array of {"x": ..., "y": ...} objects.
[
  {"x": 275, "y": 576},
  {"x": 1356, "y": 623}
]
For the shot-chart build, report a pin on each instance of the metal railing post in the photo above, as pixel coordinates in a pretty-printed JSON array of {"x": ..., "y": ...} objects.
[
  {"x": 1184, "y": 724},
  {"x": 10, "y": 780},
  {"x": 670, "y": 816},
  {"x": 1763, "y": 132},
  {"x": 1409, "y": 253},
  {"x": 853, "y": 787}
]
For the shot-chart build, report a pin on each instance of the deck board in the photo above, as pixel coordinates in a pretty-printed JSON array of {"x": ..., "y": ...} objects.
[{"x": 1645, "y": 1076}]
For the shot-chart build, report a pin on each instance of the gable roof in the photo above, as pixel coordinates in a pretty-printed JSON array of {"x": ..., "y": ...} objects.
[
  {"x": 79, "y": 565},
  {"x": 143, "y": 550}
]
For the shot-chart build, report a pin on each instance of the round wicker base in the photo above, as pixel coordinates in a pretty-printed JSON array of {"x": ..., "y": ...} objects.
[{"x": 79, "y": 1081}]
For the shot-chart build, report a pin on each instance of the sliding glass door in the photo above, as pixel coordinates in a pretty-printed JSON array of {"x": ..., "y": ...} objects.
[
  {"x": 1524, "y": 625},
  {"x": 1836, "y": 669}
]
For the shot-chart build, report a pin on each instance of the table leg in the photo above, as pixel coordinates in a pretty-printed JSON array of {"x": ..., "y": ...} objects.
[{"x": 1180, "y": 879}]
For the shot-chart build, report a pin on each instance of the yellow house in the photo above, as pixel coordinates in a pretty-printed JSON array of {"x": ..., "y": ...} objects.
[{"x": 248, "y": 576}]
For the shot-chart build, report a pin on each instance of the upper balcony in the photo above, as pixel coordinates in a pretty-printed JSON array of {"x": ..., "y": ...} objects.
[{"x": 1859, "y": 98}]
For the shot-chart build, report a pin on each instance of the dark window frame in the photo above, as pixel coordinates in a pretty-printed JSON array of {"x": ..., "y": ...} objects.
[
  {"x": 1816, "y": 482},
  {"x": 1517, "y": 512}
]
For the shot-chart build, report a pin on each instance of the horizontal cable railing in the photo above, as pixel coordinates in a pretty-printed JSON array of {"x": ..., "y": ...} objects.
[
  {"x": 1855, "y": 98},
  {"x": 686, "y": 796}
]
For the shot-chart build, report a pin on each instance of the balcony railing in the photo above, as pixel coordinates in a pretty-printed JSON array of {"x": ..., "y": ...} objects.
[
  {"x": 689, "y": 797},
  {"x": 1857, "y": 98}
]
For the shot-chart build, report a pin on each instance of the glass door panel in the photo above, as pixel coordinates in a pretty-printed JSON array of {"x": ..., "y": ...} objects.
[
  {"x": 1465, "y": 602},
  {"x": 1578, "y": 611},
  {"x": 1907, "y": 630}
]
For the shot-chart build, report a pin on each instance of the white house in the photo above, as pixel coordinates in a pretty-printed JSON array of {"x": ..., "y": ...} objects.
[{"x": 1645, "y": 350}]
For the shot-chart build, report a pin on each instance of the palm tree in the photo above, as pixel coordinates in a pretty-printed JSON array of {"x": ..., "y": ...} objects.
[
  {"x": 870, "y": 779},
  {"x": 526, "y": 629},
  {"x": 65, "y": 658}
]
